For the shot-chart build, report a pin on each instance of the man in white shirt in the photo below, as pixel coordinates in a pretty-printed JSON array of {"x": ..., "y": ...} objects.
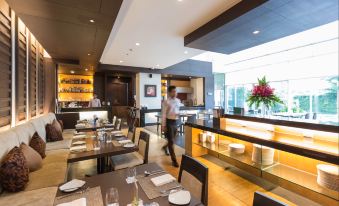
[
  {"x": 95, "y": 102},
  {"x": 170, "y": 121}
]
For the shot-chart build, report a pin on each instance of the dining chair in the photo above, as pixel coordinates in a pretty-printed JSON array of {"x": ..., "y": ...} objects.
[
  {"x": 193, "y": 176},
  {"x": 131, "y": 134},
  {"x": 262, "y": 199},
  {"x": 134, "y": 158},
  {"x": 118, "y": 124},
  {"x": 114, "y": 120}
]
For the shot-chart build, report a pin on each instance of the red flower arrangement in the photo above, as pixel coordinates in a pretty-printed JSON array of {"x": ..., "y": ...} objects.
[{"x": 263, "y": 94}]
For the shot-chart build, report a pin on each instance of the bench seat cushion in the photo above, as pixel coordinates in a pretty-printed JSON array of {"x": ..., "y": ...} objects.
[
  {"x": 126, "y": 160},
  {"x": 53, "y": 171}
]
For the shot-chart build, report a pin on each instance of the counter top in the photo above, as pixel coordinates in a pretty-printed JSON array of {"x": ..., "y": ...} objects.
[
  {"x": 269, "y": 139},
  {"x": 85, "y": 109},
  {"x": 290, "y": 122}
]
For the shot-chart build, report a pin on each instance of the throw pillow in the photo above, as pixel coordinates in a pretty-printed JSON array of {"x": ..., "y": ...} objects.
[
  {"x": 38, "y": 144},
  {"x": 33, "y": 158},
  {"x": 14, "y": 173},
  {"x": 53, "y": 132}
]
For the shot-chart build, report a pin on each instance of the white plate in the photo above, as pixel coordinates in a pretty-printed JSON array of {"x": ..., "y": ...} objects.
[
  {"x": 182, "y": 197},
  {"x": 129, "y": 145},
  {"x": 79, "y": 142},
  {"x": 79, "y": 136},
  {"x": 72, "y": 185}
]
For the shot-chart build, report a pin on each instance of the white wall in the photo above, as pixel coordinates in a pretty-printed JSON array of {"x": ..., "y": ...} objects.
[{"x": 143, "y": 79}]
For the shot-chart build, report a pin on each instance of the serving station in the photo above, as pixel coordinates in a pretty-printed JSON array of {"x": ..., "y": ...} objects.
[{"x": 299, "y": 156}]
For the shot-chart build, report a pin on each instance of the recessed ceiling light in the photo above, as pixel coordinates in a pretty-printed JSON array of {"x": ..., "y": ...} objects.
[
  {"x": 138, "y": 44},
  {"x": 256, "y": 32},
  {"x": 89, "y": 54},
  {"x": 121, "y": 61},
  {"x": 158, "y": 65},
  {"x": 86, "y": 69},
  {"x": 91, "y": 20},
  {"x": 72, "y": 72},
  {"x": 180, "y": 0},
  {"x": 185, "y": 52},
  {"x": 190, "y": 77}
]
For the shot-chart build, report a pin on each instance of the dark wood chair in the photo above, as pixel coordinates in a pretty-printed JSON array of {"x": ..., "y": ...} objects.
[
  {"x": 193, "y": 176},
  {"x": 131, "y": 134},
  {"x": 135, "y": 158},
  {"x": 261, "y": 199},
  {"x": 118, "y": 124}
]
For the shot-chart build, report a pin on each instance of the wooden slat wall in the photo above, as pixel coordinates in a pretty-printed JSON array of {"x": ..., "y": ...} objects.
[
  {"x": 5, "y": 65},
  {"x": 21, "y": 71},
  {"x": 41, "y": 76},
  {"x": 33, "y": 76}
]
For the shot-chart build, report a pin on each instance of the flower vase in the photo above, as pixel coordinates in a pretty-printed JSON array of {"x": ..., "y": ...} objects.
[{"x": 264, "y": 110}]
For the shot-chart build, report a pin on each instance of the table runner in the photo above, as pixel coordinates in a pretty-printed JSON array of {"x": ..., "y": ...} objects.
[
  {"x": 150, "y": 189},
  {"x": 93, "y": 197}
]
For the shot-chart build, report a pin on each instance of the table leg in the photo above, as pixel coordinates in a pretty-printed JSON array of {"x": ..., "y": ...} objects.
[{"x": 101, "y": 165}]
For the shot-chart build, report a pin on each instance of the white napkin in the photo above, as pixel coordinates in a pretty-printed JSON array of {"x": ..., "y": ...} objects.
[
  {"x": 78, "y": 202},
  {"x": 80, "y": 125},
  {"x": 116, "y": 132},
  {"x": 79, "y": 136},
  {"x": 75, "y": 183},
  {"x": 79, "y": 142},
  {"x": 162, "y": 180},
  {"x": 124, "y": 141},
  {"x": 131, "y": 180},
  {"x": 80, "y": 147}
]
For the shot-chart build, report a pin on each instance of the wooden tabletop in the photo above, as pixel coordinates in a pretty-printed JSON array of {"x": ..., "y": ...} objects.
[
  {"x": 106, "y": 149},
  {"x": 91, "y": 127},
  {"x": 117, "y": 179}
]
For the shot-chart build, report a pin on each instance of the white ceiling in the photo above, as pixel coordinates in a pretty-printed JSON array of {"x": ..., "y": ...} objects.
[{"x": 159, "y": 26}]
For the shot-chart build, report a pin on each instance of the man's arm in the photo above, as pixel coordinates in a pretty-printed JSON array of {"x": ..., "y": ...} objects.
[{"x": 163, "y": 115}]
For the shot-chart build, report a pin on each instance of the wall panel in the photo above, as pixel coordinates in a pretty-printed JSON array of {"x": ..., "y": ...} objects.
[
  {"x": 33, "y": 76},
  {"x": 5, "y": 65},
  {"x": 41, "y": 80}
]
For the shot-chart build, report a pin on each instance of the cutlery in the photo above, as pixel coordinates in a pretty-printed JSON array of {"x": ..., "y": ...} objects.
[
  {"x": 148, "y": 173},
  {"x": 74, "y": 193},
  {"x": 172, "y": 188},
  {"x": 171, "y": 192}
]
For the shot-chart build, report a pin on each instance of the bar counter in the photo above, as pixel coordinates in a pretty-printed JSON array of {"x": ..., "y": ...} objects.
[{"x": 295, "y": 152}]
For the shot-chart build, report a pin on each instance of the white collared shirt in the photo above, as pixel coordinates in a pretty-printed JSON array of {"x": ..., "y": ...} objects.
[
  {"x": 94, "y": 103},
  {"x": 170, "y": 109}
]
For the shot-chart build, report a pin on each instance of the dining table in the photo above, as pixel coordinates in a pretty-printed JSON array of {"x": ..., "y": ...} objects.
[
  {"x": 117, "y": 179},
  {"x": 106, "y": 150},
  {"x": 94, "y": 127}
]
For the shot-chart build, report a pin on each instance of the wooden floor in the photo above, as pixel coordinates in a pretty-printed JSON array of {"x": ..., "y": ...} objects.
[{"x": 230, "y": 186}]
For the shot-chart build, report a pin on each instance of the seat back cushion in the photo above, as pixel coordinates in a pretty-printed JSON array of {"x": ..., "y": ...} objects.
[
  {"x": 39, "y": 126},
  {"x": 192, "y": 184},
  {"x": 33, "y": 158},
  {"x": 8, "y": 140},
  {"x": 14, "y": 172},
  {"x": 24, "y": 132},
  {"x": 142, "y": 147},
  {"x": 38, "y": 144}
]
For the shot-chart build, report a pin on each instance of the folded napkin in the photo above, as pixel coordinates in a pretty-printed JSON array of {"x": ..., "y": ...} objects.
[
  {"x": 80, "y": 125},
  {"x": 80, "y": 147},
  {"x": 162, "y": 180},
  {"x": 75, "y": 183},
  {"x": 78, "y": 202},
  {"x": 116, "y": 132},
  {"x": 79, "y": 136},
  {"x": 124, "y": 141}
]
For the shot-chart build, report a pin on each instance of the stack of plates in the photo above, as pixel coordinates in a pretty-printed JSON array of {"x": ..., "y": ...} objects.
[
  {"x": 262, "y": 155},
  {"x": 236, "y": 148},
  {"x": 328, "y": 176}
]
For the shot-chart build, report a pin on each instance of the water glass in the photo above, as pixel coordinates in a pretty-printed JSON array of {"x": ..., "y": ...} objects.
[
  {"x": 131, "y": 174},
  {"x": 96, "y": 145},
  {"x": 112, "y": 197}
]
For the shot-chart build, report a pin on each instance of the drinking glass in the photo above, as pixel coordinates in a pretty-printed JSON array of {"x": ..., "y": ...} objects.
[
  {"x": 112, "y": 197},
  {"x": 131, "y": 174},
  {"x": 96, "y": 145}
]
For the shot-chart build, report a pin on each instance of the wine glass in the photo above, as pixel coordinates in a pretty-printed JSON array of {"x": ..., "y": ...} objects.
[
  {"x": 112, "y": 197},
  {"x": 131, "y": 174}
]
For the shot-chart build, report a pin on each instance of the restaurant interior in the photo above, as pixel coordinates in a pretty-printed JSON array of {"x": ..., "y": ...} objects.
[{"x": 169, "y": 102}]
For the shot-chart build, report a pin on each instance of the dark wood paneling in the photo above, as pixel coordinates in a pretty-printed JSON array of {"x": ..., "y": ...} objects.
[
  {"x": 5, "y": 65},
  {"x": 33, "y": 77},
  {"x": 21, "y": 70}
]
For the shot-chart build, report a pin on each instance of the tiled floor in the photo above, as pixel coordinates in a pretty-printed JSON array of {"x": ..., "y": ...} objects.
[{"x": 231, "y": 187}]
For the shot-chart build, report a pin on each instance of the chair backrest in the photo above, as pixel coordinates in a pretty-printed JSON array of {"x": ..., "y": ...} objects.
[
  {"x": 143, "y": 145},
  {"x": 131, "y": 134},
  {"x": 118, "y": 125},
  {"x": 114, "y": 120},
  {"x": 193, "y": 176},
  {"x": 262, "y": 199}
]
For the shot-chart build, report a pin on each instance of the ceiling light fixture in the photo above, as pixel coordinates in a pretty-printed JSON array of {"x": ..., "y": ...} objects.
[
  {"x": 121, "y": 61},
  {"x": 72, "y": 72},
  {"x": 158, "y": 65},
  {"x": 137, "y": 44},
  {"x": 180, "y": 0},
  {"x": 256, "y": 32},
  {"x": 86, "y": 69},
  {"x": 91, "y": 20},
  {"x": 185, "y": 52},
  {"x": 88, "y": 54}
]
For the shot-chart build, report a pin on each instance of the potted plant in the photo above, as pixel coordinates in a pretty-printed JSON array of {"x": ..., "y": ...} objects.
[{"x": 263, "y": 95}]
